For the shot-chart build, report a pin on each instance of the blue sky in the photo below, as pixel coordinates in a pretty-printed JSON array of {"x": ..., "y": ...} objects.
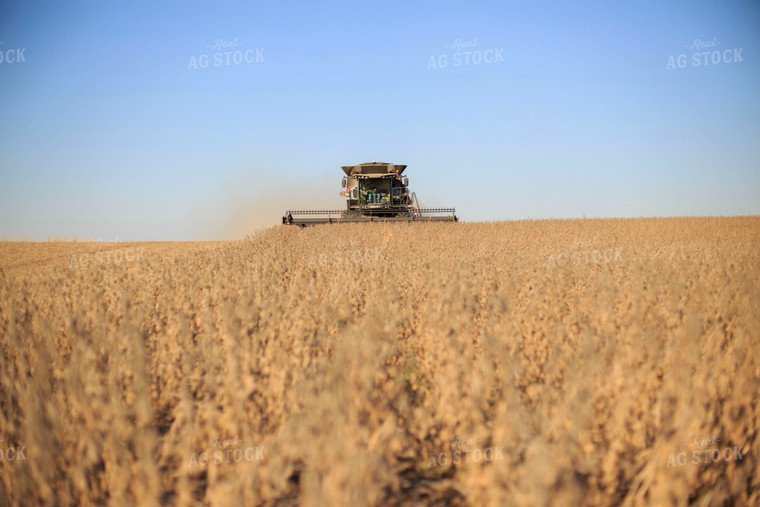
[{"x": 111, "y": 129}]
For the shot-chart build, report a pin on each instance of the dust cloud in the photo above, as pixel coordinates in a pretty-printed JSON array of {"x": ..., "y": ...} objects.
[{"x": 252, "y": 203}]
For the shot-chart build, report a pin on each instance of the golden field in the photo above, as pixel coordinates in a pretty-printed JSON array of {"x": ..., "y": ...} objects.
[{"x": 555, "y": 362}]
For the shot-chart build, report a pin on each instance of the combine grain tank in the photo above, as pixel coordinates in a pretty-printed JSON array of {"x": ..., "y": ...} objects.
[{"x": 374, "y": 192}]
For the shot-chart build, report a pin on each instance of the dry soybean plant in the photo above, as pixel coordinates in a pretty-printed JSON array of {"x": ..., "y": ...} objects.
[{"x": 371, "y": 364}]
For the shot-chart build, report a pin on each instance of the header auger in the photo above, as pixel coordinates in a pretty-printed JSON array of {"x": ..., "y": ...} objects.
[{"x": 374, "y": 192}]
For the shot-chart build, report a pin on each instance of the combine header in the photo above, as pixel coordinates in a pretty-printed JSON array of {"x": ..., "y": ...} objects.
[{"x": 374, "y": 192}]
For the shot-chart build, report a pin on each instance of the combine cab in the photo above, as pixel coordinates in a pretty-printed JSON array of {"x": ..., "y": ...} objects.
[{"x": 374, "y": 192}]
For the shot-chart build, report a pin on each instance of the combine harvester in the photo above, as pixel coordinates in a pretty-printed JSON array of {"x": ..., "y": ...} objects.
[{"x": 374, "y": 192}]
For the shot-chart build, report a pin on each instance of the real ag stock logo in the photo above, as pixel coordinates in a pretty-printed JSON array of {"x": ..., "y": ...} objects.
[
  {"x": 108, "y": 257},
  {"x": 11, "y": 453},
  {"x": 705, "y": 53},
  {"x": 345, "y": 253},
  {"x": 582, "y": 252},
  {"x": 701, "y": 450},
  {"x": 226, "y": 53},
  {"x": 12, "y": 55},
  {"x": 226, "y": 451},
  {"x": 465, "y": 451},
  {"x": 465, "y": 54}
]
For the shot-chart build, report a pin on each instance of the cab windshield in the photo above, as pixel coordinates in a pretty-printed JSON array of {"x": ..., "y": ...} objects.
[{"x": 375, "y": 191}]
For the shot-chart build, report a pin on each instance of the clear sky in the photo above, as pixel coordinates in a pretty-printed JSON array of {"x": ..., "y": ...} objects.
[{"x": 112, "y": 128}]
